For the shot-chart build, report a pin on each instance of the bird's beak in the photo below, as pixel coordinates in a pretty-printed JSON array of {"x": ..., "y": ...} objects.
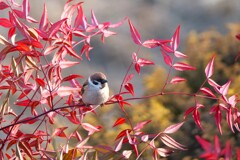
[{"x": 104, "y": 81}]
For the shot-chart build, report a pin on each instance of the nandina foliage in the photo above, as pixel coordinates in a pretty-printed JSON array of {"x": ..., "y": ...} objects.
[{"x": 34, "y": 57}]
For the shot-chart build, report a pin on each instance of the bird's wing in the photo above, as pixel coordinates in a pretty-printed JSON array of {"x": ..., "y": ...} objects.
[{"x": 83, "y": 87}]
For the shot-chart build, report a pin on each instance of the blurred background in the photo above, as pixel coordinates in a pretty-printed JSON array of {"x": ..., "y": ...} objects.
[{"x": 207, "y": 27}]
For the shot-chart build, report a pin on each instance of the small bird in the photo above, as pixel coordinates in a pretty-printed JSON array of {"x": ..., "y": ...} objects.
[{"x": 95, "y": 90}]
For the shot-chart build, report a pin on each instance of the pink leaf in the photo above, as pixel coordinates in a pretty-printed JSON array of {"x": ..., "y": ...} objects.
[
  {"x": 140, "y": 125},
  {"x": 152, "y": 43},
  {"x": 94, "y": 19},
  {"x": 224, "y": 89},
  {"x": 196, "y": 117},
  {"x": 213, "y": 83},
  {"x": 44, "y": 19},
  {"x": 217, "y": 146},
  {"x": 119, "y": 121},
  {"x": 134, "y": 33},
  {"x": 173, "y": 128},
  {"x": 183, "y": 66},
  {"x": 167, "y": 58},
  {"x": 210, "y": 68},
  {"x": 128, "y": 78},
  {"x": 176, "y": 80},
  {"x": 55, "y": 27},
  {"x": 175, "y": 39},
  {"x": 90, "y": 128},
  {"x": 207, "y": 91},
  {"x": 26, "y": 8},
  {"x": 188, "y": 111}
]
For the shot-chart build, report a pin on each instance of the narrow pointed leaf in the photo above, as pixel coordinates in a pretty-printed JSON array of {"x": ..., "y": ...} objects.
[
  {"x": 210, "y": 68},
  {"x": 134, "y": 33},
  {"x": 176, "y": 80},
  {"x": 183, "y": 66},
  {"x": 119, "y": 121},
  {"x": 173, "y": 128}
]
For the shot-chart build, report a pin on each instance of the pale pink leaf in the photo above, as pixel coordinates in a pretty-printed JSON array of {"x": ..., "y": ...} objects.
[
  {"x": 26, "y": 8},
  {"x": 173, "y": 128},
  {"x": 210, "y": 68},
  {"x": 224, "y": 89},
  {"x": 152, "y": 43},
  {"x": 90, "y": 128},
  {"x": 170, "y": 142},
  {"x": 177, "y": 79},
  {"x": 127, "y": 153},
  {"x": 66, "y": 64},
  {"x": 49, "y": 50},
  {"x": 180, "y": 54},
  {"x": 94, "y": 19},
  {"x": 213, "y": 83},
  {"x": 119, "y": 145},
  {"x": 44, "y": 19},
  {"x": 183, "y": 66},
  {"x": 145, "y": 138},
  {"x": 134, "y": 33},
  {"x": 66, "y": 91},
  {"x": 82, "y": 143},
  {"x": 163, "y": 152}
]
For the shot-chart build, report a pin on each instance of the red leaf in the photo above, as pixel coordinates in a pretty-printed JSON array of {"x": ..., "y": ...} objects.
[
  {"x": 134, "y": 33},
  {"x": 206, "y": 145},
  {"x": 207, "y": 91},
  {"x": 140, "y": 125},
  {"x": 238, "y": 36},
  {"x": 70, "y": 77},
  {"x": 196, "y": 117},
  {"x": 188, "y": 111},
  {"x": 183, "y": 66},
  {"x": 210, "y": 68},
  {"x": 40, "y": 82},
  {"x": 59, "y": 132},
  {"x": 3, "y": 5},
  {"x": 217, "y": 146},
  {"x": 129, "y": 87},
  {"x": 28, "y": 120},
  {"x": 176, "y": 80},
  {"x": 167, "y": 58},
  {"x": 122, "y": 134},
  {"x": 119, "y": 121},
  {"x": 73, "y": 117},
  {"x": 44, "y": 19},
  {"x": 5, "y": 23},
  {"x": 49, "y": 49},
  {"x": 24, "y": 103},
  {"x": 173, "y": 128},
  {"x": 229, "y": 119},
  {"x": 175, "y": 39}
]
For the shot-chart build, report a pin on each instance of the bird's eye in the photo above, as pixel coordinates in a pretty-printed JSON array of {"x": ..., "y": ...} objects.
[{"x": 95, "y": 82}]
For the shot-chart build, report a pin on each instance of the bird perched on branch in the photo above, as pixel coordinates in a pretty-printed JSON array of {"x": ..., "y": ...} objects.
[{"x": 95, "y": 90}]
